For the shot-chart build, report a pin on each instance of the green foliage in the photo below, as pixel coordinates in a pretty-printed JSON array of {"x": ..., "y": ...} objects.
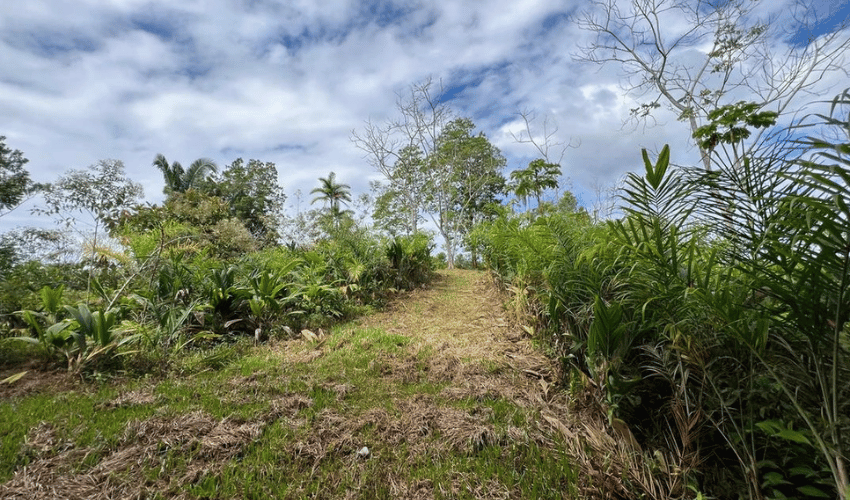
[
  {"x": 535, "y": 179},
  {"x": 332, "y": 194},
  {"x": 607, "y": 339},
  {"x": 192, "y": 222},
  {"x": 714, "y": 322},
  {"x": 401, "y": 198},
  {"x": 15, "y": 181},
  {"x": 464, "y": 179},
  {"x": 97, "y": 325},
  {"x": 410, "y": 260},
  {"x": 730, "y": 124},
  {"x": 253, "y": 197},
  {"x": 102, "y": 192},
  {"x": 47, "y": 330},
  {"x": 179, "y": 180}
]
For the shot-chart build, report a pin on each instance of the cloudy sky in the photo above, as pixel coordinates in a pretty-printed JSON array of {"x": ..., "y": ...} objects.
[{"x": 288, "y": 81}]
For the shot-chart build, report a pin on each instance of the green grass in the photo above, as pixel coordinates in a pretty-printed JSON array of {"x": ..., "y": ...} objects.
[{"x": 357, "y": 387}]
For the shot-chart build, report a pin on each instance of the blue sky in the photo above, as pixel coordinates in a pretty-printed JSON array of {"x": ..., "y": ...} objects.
[{"x": 287, "y": 82}]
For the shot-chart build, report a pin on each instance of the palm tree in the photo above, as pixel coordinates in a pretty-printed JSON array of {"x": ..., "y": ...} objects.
[
  {"x": 535, "y": 179},
  {"x": 178, "y": 180},
  {"x": 332, "y": 193}
]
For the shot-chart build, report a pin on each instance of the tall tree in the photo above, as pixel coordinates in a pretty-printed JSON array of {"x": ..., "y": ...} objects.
[
  {"x": 464, "y": 175},
  {"x": 253, "y": 194},
  {"x": 398, "y": 147},
  {"x": 180, "y": 180},
  {"x": 400, "y": 200},
  {"x": 696, "y": 56},
  {"x": 15, "y": 181},
  {"x": 332, "y": 194}
]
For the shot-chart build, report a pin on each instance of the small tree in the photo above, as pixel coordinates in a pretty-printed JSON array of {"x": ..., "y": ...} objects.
[
  {"x": 15, "y": 181},
  {"x": 100, "y": 193},
  {"x": 535, "y": 179}
]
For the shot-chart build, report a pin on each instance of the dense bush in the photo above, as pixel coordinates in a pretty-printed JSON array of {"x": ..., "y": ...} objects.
[
  {"x": 711, "y": 320},
  {"x": 191, "y": 275}
]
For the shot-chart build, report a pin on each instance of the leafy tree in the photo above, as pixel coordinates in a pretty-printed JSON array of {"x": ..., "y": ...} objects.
[
  {"x": 187, "y": 222},
  {"x": 100, "y": 193},
  {"x": 464, "y": 176},
  {"x": 535, "y": 179},
  {"x": 400, "y": 199},
  {"x": 694, "y": 56},
  {"x": 15, "y": 181},
  {"x": 254, "y": 196},
  {"x": 332, "y": 194},
  {"x": 180, "y": 180}
]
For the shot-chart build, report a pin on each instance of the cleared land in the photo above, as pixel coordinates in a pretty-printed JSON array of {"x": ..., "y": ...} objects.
[{"x": 435, "y": 397}]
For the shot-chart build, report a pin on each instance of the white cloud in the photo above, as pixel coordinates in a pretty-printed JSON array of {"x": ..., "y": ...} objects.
[{"x": 288, "y": 81}]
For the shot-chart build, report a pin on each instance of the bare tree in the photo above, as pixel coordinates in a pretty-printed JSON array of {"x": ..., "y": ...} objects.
[
  {"x": 696, "y": 55},
  {"x": 545, "y": 140},
  {"x": 389, "y": 146}
]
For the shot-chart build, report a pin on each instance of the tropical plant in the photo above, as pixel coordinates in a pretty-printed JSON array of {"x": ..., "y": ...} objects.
[
  {"x": 47, "y": 328},
  {"x": 97, "y": 325},
  {"x": 535, "y": 179},
  {"x": 179, "y": 180},
  {"x": 332, "y": 194},
  {"x": 410, "y": 260},
  {"x": 804, "y": 267}
]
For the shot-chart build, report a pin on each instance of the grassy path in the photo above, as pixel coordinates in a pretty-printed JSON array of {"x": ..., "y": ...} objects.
[{"x": 436, "y": 397}]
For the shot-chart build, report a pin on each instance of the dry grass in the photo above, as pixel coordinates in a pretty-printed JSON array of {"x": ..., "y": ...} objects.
[{"x": 203, "y": 443}]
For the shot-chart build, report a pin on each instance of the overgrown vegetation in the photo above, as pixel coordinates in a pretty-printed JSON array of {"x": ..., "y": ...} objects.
[
  {"x": 708, "y": 324},
  {"x": 703, "y": 334},
  {"x": 201, "y": 269}
]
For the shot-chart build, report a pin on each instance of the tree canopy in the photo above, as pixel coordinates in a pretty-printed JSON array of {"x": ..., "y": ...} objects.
[
  {"x": 15, "y": 181},
  {"x": 179, "y": 180},
  {"x": 332, "y": 194},
  {"x": 253, "y": 195}
]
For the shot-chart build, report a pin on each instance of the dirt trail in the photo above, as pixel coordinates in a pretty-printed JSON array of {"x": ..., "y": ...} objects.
[
  {"x": 452, "y": 401},
  {"x": 460, "y": 318}
]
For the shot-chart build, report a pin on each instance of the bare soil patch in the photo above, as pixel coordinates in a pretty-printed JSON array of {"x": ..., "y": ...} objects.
[{"x": 37, "y": 379}]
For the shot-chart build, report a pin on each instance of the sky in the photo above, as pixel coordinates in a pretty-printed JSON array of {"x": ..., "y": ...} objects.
[{"x": 288, "y": 82}]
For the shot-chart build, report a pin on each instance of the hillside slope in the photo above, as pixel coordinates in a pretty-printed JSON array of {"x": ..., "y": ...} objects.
[{"x": 435, "y": 397}]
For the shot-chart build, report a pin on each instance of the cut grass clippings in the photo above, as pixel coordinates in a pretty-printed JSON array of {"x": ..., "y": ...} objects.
[{"x": 435, "y": 397}]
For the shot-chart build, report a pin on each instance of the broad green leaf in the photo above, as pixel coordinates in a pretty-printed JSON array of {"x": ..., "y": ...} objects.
[
  {"x": 792, "y": 435},
  {"x": 773, "y": 479},
  {"x": 811, "y": 491}
]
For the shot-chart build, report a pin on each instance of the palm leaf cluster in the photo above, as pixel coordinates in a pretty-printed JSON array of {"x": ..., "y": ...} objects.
[
  {"x": 709, "y": 324},
  {"x": 180, "y": 180}
]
